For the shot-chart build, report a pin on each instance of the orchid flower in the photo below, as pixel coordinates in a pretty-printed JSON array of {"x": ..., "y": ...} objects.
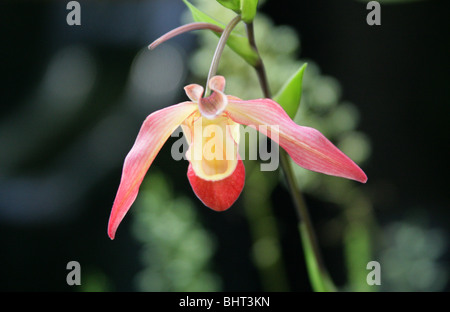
[{"x": 217, "y": 175}]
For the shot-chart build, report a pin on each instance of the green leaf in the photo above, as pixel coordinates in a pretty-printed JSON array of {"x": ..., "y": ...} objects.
[
  {"x": 248, "y": 10},
  {"x": 199, "y": 16},
  {"x": 237, "y": 43},
  {"x": 234, "y": 5},
  {"x": 290, "y": 94}
]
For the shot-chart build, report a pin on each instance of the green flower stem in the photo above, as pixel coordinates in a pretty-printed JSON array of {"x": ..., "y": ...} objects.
[
  {"x": 219, "y": 49},
  {"x": 259, "y": 65},
  {"x": 318, "y": 274}
]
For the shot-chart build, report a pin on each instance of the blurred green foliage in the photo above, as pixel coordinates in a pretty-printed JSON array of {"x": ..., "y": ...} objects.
[
  {"x": 412, "y": 254},
  {"x": 176, "y": 249}
]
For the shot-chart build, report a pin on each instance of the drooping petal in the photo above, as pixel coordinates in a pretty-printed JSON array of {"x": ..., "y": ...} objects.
[
  {"x": 218, "y": 195},
  {"x": 154, "y": 132},
  {"x": 308, "y": 147}
]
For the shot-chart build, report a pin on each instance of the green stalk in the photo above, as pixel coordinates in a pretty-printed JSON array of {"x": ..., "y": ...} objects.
[
  {"x": 219, "y": 49},
  {"x": 318, "y": 274}
]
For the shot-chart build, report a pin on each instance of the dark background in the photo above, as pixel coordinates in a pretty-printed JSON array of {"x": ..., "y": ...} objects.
[{"x": 396, "y": 73}]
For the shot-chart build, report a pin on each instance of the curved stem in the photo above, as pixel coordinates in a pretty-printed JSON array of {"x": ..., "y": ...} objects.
[
  {"x": 219, "y": 49},
  {"x": 182, "y": 29},
  {"x": 316, "y": 267}
]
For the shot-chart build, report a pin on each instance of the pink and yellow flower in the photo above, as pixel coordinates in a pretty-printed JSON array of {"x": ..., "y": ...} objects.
[{"x": 217, "y": 175}]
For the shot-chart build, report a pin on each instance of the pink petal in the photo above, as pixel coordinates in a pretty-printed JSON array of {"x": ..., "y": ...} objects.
[
  {"x": 194, "y": 92},
  {"x": 213, "y": 105},
  {"x": 217, "y": 83},
  {"x": 308, "y": 147},
  {"x": 218, "y": 195},
  {"x": 154, "y": 132}
]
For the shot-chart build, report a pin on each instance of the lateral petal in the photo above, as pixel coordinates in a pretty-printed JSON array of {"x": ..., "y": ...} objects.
[
  {"x": 221, "y": 194},
  {"x": 154, "y": 132},
  {"x": 308, "y": 147}
]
